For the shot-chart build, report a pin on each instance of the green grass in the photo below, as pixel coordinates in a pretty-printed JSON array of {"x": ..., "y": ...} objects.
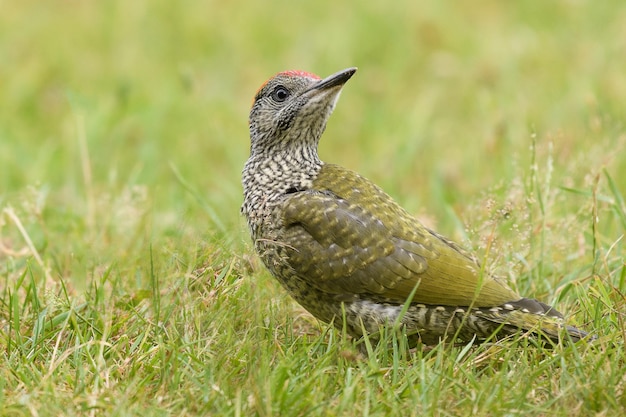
[{"x": 128, "y": 284}]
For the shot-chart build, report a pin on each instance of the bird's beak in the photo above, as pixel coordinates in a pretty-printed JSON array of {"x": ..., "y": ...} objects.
[{"x": 336, "y": 80}]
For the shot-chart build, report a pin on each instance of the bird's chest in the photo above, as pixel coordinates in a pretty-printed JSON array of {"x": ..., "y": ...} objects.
[{"x": 265, "y": 198}]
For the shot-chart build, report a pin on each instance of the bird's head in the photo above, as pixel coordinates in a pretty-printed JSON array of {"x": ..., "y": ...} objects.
[{"x": 292, "y": 108}]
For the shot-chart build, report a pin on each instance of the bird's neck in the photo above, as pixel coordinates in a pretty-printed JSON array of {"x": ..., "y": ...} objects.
[{"x": 273, "y": 172}]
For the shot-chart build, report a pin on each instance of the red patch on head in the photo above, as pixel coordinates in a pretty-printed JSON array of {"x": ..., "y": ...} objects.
[{"x": 298, "y": 73}]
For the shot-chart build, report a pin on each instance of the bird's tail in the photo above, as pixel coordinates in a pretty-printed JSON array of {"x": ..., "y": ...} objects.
[
  {"x": 551, "y": 327},
  {"x": 537, "y": 317}
]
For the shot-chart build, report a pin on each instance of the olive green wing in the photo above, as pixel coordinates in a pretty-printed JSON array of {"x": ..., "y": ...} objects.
[
  {"x": 351, "y": 238},
  {"x": 343, "y": 248}
]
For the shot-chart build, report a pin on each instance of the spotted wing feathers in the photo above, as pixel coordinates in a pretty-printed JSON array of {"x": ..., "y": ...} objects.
[{"x": 347, "y": 235}]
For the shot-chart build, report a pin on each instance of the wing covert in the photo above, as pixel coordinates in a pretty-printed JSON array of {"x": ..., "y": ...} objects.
[{"x": 353, "y": 250}]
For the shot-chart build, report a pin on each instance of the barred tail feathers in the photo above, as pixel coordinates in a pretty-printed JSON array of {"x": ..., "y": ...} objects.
[{"x": 536, "y": 317}]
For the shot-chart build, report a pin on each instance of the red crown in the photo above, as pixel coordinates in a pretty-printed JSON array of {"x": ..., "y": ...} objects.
[{"x": 298, "y": 73}]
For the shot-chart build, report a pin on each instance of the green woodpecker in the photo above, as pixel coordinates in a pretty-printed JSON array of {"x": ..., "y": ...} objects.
[{"x": 345, "y": 250}]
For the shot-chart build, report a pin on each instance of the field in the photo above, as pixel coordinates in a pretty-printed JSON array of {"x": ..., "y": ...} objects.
[{"x": 128, "y": 281}]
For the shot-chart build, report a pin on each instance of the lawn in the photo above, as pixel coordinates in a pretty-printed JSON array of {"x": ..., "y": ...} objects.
[{"x": 128, "y": 281}]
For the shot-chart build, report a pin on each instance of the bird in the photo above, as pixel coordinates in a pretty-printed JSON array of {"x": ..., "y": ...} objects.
[{"x": 351, "y": 255}]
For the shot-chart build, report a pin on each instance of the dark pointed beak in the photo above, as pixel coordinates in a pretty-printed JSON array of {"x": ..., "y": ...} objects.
[{"x": 337, "y": 79}]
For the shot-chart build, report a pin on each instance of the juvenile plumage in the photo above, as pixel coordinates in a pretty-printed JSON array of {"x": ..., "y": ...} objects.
[{"x": 344, "y": 248}]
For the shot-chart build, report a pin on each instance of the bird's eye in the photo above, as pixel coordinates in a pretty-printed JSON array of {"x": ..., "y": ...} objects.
[{"x": 279, "y": 94}]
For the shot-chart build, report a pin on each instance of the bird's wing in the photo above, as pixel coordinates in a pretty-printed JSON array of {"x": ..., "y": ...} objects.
[{"x": 347, "y": 236}]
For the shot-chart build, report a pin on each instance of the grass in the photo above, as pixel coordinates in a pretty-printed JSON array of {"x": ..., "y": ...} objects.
[{"x": 128, "y": 284}]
